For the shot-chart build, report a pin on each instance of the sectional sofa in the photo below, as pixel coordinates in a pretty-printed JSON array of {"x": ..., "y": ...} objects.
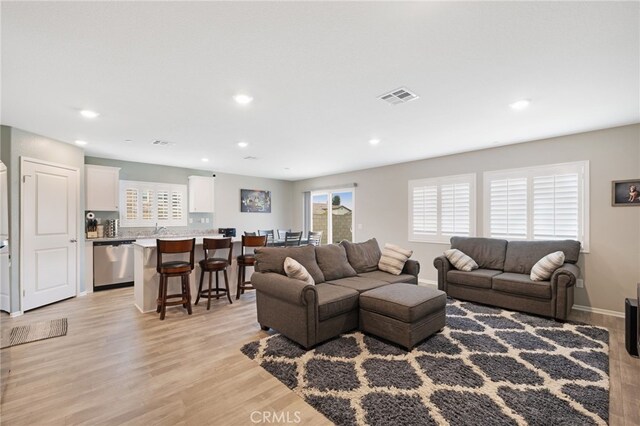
[{"x": 310, "y": 314}]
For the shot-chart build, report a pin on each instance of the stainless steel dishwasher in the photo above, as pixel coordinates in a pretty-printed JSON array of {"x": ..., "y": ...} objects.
[{"x": 112, "y": 264}]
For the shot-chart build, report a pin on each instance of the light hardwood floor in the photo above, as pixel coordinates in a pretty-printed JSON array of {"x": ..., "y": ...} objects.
[{"x": 117, "y": 366}]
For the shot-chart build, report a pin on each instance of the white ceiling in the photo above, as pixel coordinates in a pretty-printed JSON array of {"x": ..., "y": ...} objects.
[{"x": 169, "y": 70}]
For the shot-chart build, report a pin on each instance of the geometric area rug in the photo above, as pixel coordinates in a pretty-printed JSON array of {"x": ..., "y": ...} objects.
[
  {"x": 488, "y": 366},
  {"x": 33, "y": 332}
]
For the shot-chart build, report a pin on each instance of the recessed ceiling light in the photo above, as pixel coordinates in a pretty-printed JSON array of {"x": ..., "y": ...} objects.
[
  {"x": 243, "y": 144},
  {"x": 88, "y": 113},
  {"x": 521, "y": 104},
  {"x": 205, "y": 160},
  {"x": 243, "y": 99},
  {"x": 374, "y": 141},
  {"x": 81, "y": 143}
]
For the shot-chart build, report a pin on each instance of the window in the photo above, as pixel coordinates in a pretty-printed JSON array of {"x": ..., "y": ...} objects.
[
  {"x": 440, "y": 208},
  {"x": 332, "y": 214},
  {"x": 148, "y": 203},
  {"x": 538, "y": 203}
]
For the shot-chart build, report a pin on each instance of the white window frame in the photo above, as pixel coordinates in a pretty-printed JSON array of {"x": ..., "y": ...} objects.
[
  {"x": 439, "y": 237},
  {"x": 330, "y": 193},
  {"x": 581, "y": 167},
  {"x": 155, "y": 187}
]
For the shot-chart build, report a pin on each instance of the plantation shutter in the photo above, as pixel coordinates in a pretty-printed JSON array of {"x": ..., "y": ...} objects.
[
  {"x": 556, "y": 207},
  {"x": 454, "y": 210},
  {"x": 425, "y": 211},
  {"x": 508, "y": 208}
]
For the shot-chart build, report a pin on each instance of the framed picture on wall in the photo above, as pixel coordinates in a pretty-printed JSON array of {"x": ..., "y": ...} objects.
[
  {"x": 625, "y": 192},
  {"x": 255, "y": 201}
]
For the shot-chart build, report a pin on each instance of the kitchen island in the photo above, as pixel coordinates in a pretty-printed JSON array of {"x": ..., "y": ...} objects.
[{"x": 146, "y": 279}]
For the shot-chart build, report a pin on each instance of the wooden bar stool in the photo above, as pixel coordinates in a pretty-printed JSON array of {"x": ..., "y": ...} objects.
[
  {"x": 217, "y": 265},
  {"x": 174, "y": 268},
  {"x": 245, "y": 260}
]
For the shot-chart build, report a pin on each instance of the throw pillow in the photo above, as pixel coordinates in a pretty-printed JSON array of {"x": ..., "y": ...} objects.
[
  {"x": 295, "y": 270},
  {"x": 363, "y": 257},
  {"x": 332, "y": 260},
  {"x": 545, "y": 267},
  {"x": 460, "y": 261},
  {"x": 393, "y": 259}
]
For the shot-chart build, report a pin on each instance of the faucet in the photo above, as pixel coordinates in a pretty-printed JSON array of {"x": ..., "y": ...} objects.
[{"x": 158, "y": 230}]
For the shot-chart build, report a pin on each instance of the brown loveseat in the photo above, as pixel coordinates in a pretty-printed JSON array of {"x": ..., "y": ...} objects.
[
  {"x": 503, "y": 275},
  {"x": 310, "y": 314}
]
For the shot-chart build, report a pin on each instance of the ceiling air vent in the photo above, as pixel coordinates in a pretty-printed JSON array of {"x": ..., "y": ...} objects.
[
  {"x": 250, "y": 158},
  {"x": 398, "y": 96},
  {"x": 161, "y": 143}
]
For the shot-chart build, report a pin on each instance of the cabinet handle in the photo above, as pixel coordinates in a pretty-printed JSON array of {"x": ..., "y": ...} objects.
[{"x": 73, "y": 240}]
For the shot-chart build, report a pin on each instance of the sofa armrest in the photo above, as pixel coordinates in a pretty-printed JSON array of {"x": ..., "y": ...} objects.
[
  {"x": 411, "y": 267},
  {"x": 443, "y": 266},
  {"x": 562, "y": 282},
  {"x": 282, "y": 287},
  {"x": 566, "y": 275}
]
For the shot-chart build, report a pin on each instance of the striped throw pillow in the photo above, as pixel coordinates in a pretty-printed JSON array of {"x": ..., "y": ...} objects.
[
  {"x": 295, "y": 270},
  {"x": 393, "y": 259},
  {"x": 545, "y": 267},
  {"x": 460, "y": 261}
]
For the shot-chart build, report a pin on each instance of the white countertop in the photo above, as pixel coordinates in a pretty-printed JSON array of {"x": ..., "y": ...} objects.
[{"x": 151, "y": 242}]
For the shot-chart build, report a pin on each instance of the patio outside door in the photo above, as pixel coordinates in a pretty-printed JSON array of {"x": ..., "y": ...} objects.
[{"x": 332, "y": 212}]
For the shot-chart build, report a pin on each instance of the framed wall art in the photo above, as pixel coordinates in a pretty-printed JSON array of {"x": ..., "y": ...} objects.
[
  {"x": 625, "y": 192},
  {"x": 255, "y": 201}
]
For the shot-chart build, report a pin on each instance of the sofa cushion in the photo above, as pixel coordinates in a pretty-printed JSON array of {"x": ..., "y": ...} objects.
[
  {"x": 480, "y": 278},
  {"x": 522, "y": 255},
  {"x": 271, "y": 259},
  {"x": 332, "y": 260},
  {"x": 521, "y": 284},
  {"x": 545, "y": 267},
  {"x": 295, "y": 270},
  {"x": 393, "y": 259},
  {"x": 363, "y": 257},
  {"x": 404, "y": 302},
  {"x": 389, "y": 278},
  {"x": 334, "y": 300},
  {"x": 460, "y": 261},
  {"x": 359, "y": 283},
  {"x": 488, "y": 253}
]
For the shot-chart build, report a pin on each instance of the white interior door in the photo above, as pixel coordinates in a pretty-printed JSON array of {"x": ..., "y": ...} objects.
[
  {"x": 5, "y": 301},
  {"x": 49, "y": 233}
]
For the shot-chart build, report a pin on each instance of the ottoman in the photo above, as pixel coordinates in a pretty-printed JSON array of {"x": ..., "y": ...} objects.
[{"x": 402, "y": 313}]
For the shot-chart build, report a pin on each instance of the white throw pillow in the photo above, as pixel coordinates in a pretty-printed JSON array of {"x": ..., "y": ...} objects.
[
  {"x": 393, "y": 259},
  {"x": 460, "y": 261},
  {"x": 545, "y": 267},
  {"x": 295, "y": 270}
]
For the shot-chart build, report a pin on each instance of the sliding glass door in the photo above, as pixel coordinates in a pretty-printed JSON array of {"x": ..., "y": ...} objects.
[{"x": 332, "y": 213}]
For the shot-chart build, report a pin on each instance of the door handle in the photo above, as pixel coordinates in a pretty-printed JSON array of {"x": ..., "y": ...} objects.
[{"x": 73, "y": 240}]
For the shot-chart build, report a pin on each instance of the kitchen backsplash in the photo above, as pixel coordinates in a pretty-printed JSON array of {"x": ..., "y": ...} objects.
[{"x": 195, "y": 224}]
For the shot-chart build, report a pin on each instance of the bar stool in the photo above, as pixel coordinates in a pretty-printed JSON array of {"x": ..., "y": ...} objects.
[
  {"x": 174, "y": 268},
  {"x": 245, "y": 260},
  {"x": 217, "y": 265}
]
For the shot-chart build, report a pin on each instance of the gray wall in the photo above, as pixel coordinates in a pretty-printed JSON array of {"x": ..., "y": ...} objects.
[
  {"x": 18, "y": 143},
  {"x": 227, "y": 194},
  {"x": 611, "y": 268}
]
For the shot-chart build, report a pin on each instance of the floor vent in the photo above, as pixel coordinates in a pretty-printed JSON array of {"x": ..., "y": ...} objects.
[{"x": 399, "y": 96}]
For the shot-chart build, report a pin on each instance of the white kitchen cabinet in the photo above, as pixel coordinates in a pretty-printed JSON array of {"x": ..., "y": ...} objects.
[
  {"x": 201, "y": 189},
  {"x": 102, "y": 186}
]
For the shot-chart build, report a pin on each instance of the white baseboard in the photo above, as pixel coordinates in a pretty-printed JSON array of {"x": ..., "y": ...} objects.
[
  {"x": 598, "y": 311},
  {"x": 15, "y": 314},
  {"x": 427, "y": 282},
  {"x": 82, "y": 293}
]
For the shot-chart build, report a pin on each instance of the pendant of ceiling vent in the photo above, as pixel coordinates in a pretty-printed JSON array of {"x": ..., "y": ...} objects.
[
  {"x": 161, "y": 143},
  {"x": 399, "y": 96}
]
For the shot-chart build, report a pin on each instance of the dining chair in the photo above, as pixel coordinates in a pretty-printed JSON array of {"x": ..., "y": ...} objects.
[
  {"x": 212, "y": 264},
  {"x": 247, "y": 259},
  {"x": 250, "y": 234},
  {"x": 282, "y": 233},
  {"x": 292, "y": 239},
  {"x": 315, "y": 238},
  {"x": 174, "y": 268},
  {"x": 269, "y": 234}
]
